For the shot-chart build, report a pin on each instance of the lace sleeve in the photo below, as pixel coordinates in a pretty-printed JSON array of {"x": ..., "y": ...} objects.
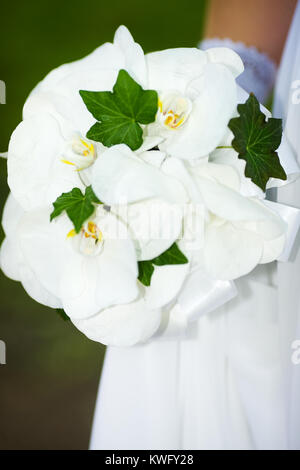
[{"x": 260, "y": 71}]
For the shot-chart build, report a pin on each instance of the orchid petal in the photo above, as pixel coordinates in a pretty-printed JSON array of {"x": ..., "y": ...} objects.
[
  {"x": 36, "y": 174},
  {"x": 122, "y": 325},
  {"x": 215, "y": 100},
  {"x": 230, "y": 253},
  {"x": 119, "y": 177}
]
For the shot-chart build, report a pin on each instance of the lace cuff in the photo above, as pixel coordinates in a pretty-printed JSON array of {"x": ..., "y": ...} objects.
[{"x": 260, "y": 71}]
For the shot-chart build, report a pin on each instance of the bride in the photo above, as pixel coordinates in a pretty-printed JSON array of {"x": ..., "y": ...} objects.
[{"x": 229, "y": 380}]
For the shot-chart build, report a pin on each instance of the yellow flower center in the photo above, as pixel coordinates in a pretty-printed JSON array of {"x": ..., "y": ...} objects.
[
  {"x": 79, "y": 153},
  {"x": 90, "y": 239},
  {"x": 92, "y": 231},
  {"x": 173, "y": 110}
]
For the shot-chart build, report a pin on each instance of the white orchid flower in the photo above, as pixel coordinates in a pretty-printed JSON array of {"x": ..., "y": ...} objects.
[
  {"x": 135, "y": 322},
  {"x": 48, "y": 152},
  {"x": 239, "y": 232},
  {"x": 153, "y": 199},
  {"x": 197, "y": 98},
  {"x": 98, "y": 72},
  {"x": 91, "y": 275},
  {"x": 120, "y": 176},
  {"x": 89, "y": 271},
  {"x": 47, "y": 159}
]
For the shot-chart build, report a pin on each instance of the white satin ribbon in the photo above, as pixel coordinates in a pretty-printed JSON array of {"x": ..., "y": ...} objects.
[
  {"x": 202, "y": 295},
  {"x": 291, "y": 215}
]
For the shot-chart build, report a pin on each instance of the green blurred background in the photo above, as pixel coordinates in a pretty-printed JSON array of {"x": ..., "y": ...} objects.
[{"x": 48, "y": 386}]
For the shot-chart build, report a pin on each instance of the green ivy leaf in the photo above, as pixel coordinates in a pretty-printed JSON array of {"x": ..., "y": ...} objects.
[
  {"x": 171, "y": 256},
  {"x": 121, "y": 112},
  {"x": 62, "y": 314},
  {"x": 146, "y": 270},
  {"x": 79, "y": 207},
  {"x": 256, "y": 141}
]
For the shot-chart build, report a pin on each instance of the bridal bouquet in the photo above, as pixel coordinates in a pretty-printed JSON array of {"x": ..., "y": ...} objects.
[{"x": 138, "y": 187}]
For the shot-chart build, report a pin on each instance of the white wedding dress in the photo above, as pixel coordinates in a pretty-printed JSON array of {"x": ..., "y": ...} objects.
[
  {"x": 226, "y": 381},
  {"x": 287, "y": 104}
]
